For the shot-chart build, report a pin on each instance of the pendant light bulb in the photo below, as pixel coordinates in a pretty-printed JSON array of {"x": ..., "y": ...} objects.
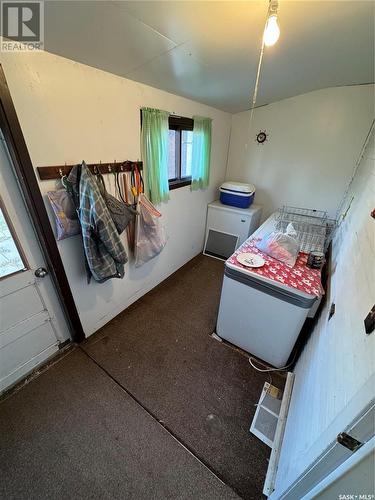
[{"x": 271, "y": 31}]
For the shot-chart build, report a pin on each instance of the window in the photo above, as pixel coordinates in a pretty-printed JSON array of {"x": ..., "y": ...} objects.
[
  {"x": 11, "y": 259},
  {"x": 180, "y": 151}
]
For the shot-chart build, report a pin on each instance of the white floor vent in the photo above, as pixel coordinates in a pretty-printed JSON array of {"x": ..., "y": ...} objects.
[
  {"x": 267, "y": 414},
  {"x": 269, "y": 483},
  {"x": 269, "y": 424}
]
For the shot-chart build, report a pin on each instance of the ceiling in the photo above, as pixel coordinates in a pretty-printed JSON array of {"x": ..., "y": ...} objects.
[{"x": 208, "y": 51}]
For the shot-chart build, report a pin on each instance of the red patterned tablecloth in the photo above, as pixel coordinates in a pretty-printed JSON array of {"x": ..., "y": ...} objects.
[{"x": 300, "y": 276}]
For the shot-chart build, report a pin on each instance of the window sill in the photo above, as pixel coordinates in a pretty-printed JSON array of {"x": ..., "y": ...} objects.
[{"x": 174, "y": 184}]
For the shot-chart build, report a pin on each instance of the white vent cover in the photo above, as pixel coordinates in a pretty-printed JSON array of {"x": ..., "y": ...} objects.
[{"x": 267, "y": 413}]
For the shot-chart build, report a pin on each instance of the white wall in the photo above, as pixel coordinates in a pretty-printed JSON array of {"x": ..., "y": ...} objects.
[
  {"x": 314, "y": 140},
  {"x": 70, "y": 112},
  {"x": 335, "y": 375}
]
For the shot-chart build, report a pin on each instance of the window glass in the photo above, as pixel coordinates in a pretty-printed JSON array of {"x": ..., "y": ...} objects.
[
  {"x": 172, "y": 155},
  {"x": 186, "y": 152},
  {"x": 180, "y": 151},
  {"x": 10, "y": 258}
]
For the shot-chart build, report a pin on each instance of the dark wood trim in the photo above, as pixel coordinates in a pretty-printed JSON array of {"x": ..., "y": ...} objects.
[
  {"x": 178, "y": 183},
  {"x": 15, "y": 141},
  {"x": 56, "y": 171},
  {"x": 176, "y": 122},
  {"x": 180, "y": 123}
]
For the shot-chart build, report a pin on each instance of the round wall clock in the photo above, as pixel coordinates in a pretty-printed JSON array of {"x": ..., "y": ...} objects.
[{"x": 261, "y": 137}]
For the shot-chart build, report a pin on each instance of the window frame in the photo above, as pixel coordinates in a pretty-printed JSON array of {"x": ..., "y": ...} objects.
[
  {"x": 16, "y": 241},
  {"x": 178, "y": 124}
]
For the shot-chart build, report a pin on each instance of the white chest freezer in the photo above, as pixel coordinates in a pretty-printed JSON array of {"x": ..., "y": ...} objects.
[{"x": 261, "y": 315}]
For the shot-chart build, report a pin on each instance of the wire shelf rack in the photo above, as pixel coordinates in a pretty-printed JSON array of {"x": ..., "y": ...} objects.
[{"x": 314, "y": 228}]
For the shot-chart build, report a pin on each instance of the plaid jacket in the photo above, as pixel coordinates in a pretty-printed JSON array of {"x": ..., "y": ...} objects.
[{"x": 104, "y": 251}]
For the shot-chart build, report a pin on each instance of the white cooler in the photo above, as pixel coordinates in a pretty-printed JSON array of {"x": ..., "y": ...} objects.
[{"x": 237, "y": 194}]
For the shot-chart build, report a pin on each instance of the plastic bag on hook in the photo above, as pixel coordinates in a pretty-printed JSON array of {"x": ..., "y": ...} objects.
[{"x": 150, "y": 238}]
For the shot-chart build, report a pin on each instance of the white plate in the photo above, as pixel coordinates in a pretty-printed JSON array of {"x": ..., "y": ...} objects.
[{"x": 250, "y": 259}]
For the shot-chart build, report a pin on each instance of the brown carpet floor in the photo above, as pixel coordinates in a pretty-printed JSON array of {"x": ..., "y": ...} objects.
[
  {"x": 202, "y": 390},
  {"x": 73, "y": 433}
]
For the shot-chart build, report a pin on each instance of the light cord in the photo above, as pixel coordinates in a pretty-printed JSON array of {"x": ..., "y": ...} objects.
[
  {"x": 271, "y": 9},
  {"x": 269, "y": 369}
]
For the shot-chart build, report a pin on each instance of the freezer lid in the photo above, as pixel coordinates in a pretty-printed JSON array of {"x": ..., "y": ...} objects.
[{"x": 279, "y": 291}]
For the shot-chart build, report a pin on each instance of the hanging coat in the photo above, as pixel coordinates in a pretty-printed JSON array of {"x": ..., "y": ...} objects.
[{"x": 105, "y": 254}]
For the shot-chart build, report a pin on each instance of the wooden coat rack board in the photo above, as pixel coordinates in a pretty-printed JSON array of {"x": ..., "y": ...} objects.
[{"x": 57, "y": 171}]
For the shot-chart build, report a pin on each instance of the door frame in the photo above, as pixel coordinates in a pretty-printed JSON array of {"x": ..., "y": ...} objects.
[
  {"x": 361, "y": 427},
  {"x": 342, "y": 470},
  {"x": 29, "y": 187}
]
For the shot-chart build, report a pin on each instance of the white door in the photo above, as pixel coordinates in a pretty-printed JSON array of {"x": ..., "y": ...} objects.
[
  {"x": 337, "y": 458},
  {"x": 32, "y": 323},
  {"x": 353, "y": 479}
]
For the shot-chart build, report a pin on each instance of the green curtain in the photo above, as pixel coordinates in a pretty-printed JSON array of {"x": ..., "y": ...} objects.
[
  {"x": 200, "y": 165},
  {"x": 154, "y": 151}
]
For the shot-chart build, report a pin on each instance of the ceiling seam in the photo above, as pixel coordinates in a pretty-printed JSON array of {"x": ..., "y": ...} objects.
[
  {"x": 176, "y": 45},
  {"x": 147, "y": 25},
  {"x": 155, "y": 57}
]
